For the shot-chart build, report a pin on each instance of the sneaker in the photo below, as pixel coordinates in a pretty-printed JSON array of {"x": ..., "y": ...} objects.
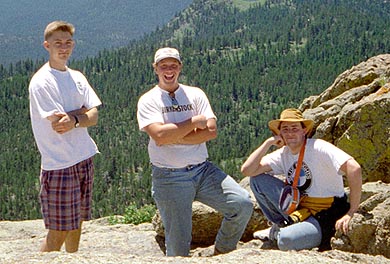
[{"x": 270, "y": 233}]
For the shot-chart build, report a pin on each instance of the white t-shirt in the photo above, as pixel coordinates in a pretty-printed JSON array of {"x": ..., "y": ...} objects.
[
  {"x": 155, "y": 106},
  {"x": 52, "y": 91},
  {"x": 320, "y": 174}
]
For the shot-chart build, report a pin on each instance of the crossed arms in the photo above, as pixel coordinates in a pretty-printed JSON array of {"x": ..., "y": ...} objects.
[
  {"x": 64, "y": 122},
  {"x": 194, "y": 130}
]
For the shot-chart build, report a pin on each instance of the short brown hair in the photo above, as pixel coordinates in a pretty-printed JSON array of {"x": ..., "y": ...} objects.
[{"x": 58, "y": 26}]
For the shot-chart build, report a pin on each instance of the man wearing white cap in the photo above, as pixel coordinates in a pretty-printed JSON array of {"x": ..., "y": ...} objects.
[
  {"x": 323, "y": 206},
  {"x": 179, "y": 121}
]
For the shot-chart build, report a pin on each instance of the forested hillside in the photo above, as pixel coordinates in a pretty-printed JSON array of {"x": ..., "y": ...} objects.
[
  {"x": 99, "y": 24},
  {"x": 251, "y": 62}
]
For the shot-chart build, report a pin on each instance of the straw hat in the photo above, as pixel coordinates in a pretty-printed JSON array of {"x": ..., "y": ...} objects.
[{"x": 290, "y": 115}]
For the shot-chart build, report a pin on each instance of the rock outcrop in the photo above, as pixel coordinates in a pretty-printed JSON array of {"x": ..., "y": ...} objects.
[
  {"x": 371, "y": 225},
  {"x": 353, "y": 113}
]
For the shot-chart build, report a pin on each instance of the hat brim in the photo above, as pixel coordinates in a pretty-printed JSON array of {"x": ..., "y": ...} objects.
[
  {"x": 274, "y": 124},
  {"x": 167, "y": 57}
]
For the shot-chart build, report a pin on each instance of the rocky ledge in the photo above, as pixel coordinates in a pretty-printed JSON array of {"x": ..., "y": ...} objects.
[{"x": 104, "y": 243}]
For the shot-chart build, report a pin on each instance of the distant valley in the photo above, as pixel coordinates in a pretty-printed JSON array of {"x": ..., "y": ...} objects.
[{"x": 99, "y": 24}]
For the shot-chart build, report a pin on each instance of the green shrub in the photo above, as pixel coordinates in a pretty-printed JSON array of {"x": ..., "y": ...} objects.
[{"x": 135, "y": 215}]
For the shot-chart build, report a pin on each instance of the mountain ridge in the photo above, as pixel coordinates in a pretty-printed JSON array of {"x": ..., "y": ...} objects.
[{"x": 99, "y": 24}]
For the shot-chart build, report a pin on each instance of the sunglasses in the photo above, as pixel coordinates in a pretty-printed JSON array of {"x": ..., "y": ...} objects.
[{"x": 175, "y": 103}]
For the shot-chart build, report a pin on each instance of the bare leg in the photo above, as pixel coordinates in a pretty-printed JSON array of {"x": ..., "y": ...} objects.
[
  {"x": 53, "y": 240},
  {"x": 72, "y": 240}
]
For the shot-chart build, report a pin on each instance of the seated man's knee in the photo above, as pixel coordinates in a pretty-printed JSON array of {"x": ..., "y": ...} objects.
[
  {"x": 256, "y": 182},
  {"x": 253, "y": 184}
]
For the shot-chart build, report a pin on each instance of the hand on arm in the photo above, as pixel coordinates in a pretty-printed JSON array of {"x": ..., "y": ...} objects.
[
  {"x": 172, "y": 133},
  {"x": 200, "y": 135},
  {"x": 253, "y": 166},
  {"x": 64, "y": 122},
  {"x": 354, "y": 176}
]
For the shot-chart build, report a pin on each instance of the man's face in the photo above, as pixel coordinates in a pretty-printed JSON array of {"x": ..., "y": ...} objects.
[
  {"x": 60, "y": 46},
  {"x": 168, "y": 71},
  {"x": 292, "y": 133}
]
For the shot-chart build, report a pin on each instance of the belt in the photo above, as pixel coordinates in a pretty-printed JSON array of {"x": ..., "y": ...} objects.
[
  {"x": 193, "y": 166},
  {"x": 186, "y": 168}
]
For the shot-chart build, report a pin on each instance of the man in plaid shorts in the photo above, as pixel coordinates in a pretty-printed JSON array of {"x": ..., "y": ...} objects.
[{"x": 62, "y": 106}]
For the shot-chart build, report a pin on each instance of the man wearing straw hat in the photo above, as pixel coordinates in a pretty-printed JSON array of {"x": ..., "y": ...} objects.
[{"x": 323, "y": 207}]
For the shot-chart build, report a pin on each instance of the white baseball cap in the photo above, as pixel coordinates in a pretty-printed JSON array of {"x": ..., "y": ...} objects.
[{"x": 165, "y": 53}]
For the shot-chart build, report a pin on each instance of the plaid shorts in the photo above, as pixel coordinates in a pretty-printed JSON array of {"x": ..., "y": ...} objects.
[{"x": 66, "y": 196}]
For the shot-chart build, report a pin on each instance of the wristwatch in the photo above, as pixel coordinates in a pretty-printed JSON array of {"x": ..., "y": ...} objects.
[{"x": 76, "y": 124}]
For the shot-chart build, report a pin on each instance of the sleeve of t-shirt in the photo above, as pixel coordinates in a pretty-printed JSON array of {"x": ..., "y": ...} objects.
[
  {"x": 90, "y": 97},
  {"x": 148, "y": 113},
  {"x": 92, "y": 100},
  {"x": 274, "y": 160},
  {"x": 203, "y": 105},
  {"x": 337, "y": 156},
  {"x": 42, "y": 101}
]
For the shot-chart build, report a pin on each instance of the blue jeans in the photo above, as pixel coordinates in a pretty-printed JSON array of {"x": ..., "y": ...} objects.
[
  {"x": 174, "y": 191},
  {"x": 303, "y": 235}
]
